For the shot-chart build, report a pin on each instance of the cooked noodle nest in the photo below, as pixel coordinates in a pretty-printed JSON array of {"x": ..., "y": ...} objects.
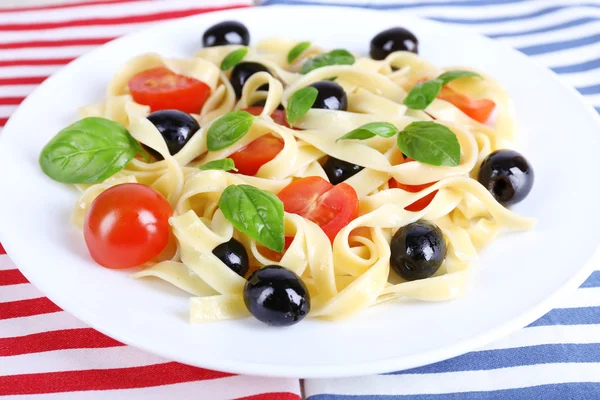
[{"x": 354, "y": 272}]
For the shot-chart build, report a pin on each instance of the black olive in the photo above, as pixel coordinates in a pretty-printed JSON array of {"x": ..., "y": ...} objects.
[
  {"x": 418, "y": 249},
  {"x": 175, "y": 126},
  {"x": 234, "y": 255},
  {"x": 507, "y": 175},
  {"x": 391, "y": 40},
  {"x": 261, "y": 103},
  {"x": 339, "y": 170},
  {"x": 331, "y": 96},
  {"x": 226, "y": 32},
  {"x": 276, "y": 296},
  {"x": 242, "y": 72}
]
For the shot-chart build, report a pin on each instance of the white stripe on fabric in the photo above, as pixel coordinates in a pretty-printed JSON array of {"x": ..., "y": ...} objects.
[
  {"x": 45, "y": 52},
  {"x": 574, "y": 56},
  {"x": 6, "y": 111},
  {"x": 556, "y": 334},
  {"x": 6, "y": 263},
  {"x": 213, "y": 389},
  {"x": 463, "y": 381},
  {"x": 16, "y": 90},
  {"x": 24, "y": 291},
  {"x": 38, "y": 323},
  {"x": 111, "y": 10},
  {"x": 77, "y": 359},
  {"x": 588, "y": 297},
  {"x": 28, "y": 71}
]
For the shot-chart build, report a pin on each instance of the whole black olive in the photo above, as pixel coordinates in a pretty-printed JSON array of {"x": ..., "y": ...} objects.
[
  {"x": 391, "y": 40},
  {"x": 507, "y": 175},
  {"x": 276, "y": 296},
  {"x": 339, "y": 170},
  {"x": 417, "y": 250},
  {"x": 242, "y": 72},
  {"x": 331, "y": 96},
  {"x": 226, "y": 32},
  {"x": 234, "y": 255},
  {"x": 176, "y": 127}
]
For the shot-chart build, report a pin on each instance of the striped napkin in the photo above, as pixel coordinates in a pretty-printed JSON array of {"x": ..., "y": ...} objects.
[
  {"x": 46, "y": 353},
  {"x": 558, "y": 356}
]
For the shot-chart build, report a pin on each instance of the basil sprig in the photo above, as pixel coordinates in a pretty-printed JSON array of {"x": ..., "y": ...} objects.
[
  {"x": 232, "y": 59},
  {"x": 297, "y": 50},
  {"x": 256, "y": 213},
  {"x": 372, "y": 129},
  {"x": 88, "y": 151},
  {"x": 300, "y": 102},
  {"x": 334, "y": 57},
  {"x": 423, "y": 94},
  {"x": 430, "y": 143},
  {"x": 225, "y": 164},
  {"x": 424, "y": 141},
  {"x": 228, "y": 129}
]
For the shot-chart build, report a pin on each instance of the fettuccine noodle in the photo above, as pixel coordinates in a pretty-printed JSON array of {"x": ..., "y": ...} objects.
[{"x": 353, "y": 272}]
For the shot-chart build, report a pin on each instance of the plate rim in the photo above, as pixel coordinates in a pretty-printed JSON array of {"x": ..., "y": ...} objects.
[{"x": 323, "y": 370}]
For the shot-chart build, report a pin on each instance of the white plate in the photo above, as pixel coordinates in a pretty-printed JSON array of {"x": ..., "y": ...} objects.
[{"x": 518, "y": 277}]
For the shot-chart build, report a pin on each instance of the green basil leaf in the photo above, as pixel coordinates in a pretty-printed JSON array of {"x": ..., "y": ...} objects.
[
  {"x": 297, "y": 50},
  {"x": 372, "y": 129},
  {"x": 232, "y": 59},
  {"x": 225, "y": 164},
  {"x": 430, "y": 143},
  {"x": 449, "y": 76},
  {"x": 88, "y": 151},
  {"x": 255, "y": 212},
  {"x": 423, "y": 94},
  {"x": 228, "y": 129},
  {"x": 300, "y": 102},
  {"x": 334, "y": 57}
]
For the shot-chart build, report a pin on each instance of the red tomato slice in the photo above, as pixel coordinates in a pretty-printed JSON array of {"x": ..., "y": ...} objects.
[
  {"x": 127, "y": 225},
  {"x": 162, "y": 89},
  {"x": 479, "y": 110},
  {"x": 257, "y": 153},
  {"x": 278, "y": 115},
  {"x": 274, "y": 255},
  {"x": 422, "y": 202},
  {"x": 330, "y": 207}
]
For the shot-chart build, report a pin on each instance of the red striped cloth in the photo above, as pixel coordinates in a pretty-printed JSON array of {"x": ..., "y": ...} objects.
[{"x": 45, "y": 352}]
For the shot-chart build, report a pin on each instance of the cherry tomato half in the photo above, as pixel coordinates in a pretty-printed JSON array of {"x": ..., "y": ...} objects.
[
  {"x": 257, "y": 153},
  {"x": 277, "y": 115},
  {"x": 422, "y": 202},
  {"x": 127, "y": 225},
  {"x": 274, "y": 255},
  {"x": 260, "y": 151},
  {"x": 162, "y": 89},
  {"x": 330, "y": 207},
  {"x": 479, "y": 110}
]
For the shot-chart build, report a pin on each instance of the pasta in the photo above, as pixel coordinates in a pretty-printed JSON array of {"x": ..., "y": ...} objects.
[{"x": 352, "y": 272}]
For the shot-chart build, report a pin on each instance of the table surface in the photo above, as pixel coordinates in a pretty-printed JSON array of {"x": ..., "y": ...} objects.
[{"x": 556, "y": 357}]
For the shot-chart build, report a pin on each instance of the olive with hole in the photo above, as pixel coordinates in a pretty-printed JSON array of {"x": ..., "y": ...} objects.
[
  {"x": 176, "y": 127},
  {"x": 226, "y": 33},
  {"x": 242, "y": 72},
  {"x": 507, "y": 175},
  {"x": 234, "y": 255},
  {"x": 417, "y": 250},
  {"x": 331, "y": 96},
  {"x": 276, "y": 296},
  {"x": 391, "y": 40},
  {"x": 339, "y": 170}
]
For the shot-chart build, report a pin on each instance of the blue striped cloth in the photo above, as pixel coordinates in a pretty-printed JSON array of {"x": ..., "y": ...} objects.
[{"x": 558, "y": 356}]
